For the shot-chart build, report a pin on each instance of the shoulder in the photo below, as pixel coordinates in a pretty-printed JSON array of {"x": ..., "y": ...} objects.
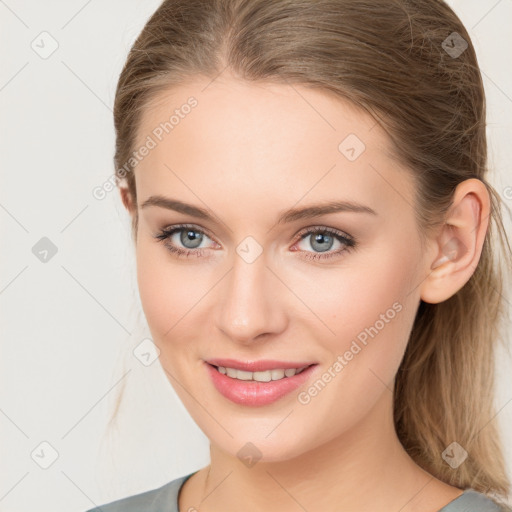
[
  {"x": 474, "y": 501},
  {"x": 164, "y": 498}
]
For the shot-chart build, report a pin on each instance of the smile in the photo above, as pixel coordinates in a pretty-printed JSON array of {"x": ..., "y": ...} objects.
[{"x": 258, "y": 388}]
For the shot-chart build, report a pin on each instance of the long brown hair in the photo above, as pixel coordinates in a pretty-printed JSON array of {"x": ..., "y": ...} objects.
[{"x": 412, "y": 66}]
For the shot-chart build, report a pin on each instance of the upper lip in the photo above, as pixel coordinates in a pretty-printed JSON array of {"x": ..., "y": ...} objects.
[{"x": 257, "y": 366}]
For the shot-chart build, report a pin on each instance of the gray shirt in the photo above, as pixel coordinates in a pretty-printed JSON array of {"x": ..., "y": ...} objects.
[{"x": 165, "y": 499}]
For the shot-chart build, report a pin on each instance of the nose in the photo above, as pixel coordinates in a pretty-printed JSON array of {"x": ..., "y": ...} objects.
[{"x": 251, "y": 302}]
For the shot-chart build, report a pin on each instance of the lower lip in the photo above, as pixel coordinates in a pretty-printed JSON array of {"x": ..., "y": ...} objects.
[{"x": 254, "y": 393}]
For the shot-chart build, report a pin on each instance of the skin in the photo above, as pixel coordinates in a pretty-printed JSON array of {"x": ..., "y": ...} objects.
[{"x": 246, "y": 153}]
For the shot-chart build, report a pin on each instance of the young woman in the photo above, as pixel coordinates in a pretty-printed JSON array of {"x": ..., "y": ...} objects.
[{"x": 315, "y": 239}]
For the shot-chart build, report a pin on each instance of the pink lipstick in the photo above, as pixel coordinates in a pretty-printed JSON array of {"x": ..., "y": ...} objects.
[{"x": 257, "y": 383}]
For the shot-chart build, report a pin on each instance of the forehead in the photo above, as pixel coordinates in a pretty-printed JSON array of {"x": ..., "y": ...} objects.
[
  {"x": 273, "y": 137},
  {"x": 232, "y": 107}
]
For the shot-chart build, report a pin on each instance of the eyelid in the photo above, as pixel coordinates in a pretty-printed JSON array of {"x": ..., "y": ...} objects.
[{"x": 326, "y": 229}]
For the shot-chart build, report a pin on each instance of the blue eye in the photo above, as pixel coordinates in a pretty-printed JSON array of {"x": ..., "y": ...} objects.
[
  {"x": 191, "y": 238},
  {"x": 323, "y": 241}
]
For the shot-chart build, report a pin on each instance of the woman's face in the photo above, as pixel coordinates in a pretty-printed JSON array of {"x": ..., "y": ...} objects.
[{"x": 263, "y": 281}]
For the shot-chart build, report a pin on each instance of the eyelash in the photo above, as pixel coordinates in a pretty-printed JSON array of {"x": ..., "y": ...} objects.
[{"x": 348, "y": 241}]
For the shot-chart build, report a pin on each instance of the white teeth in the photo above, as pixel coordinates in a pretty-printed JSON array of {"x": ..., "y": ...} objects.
[
  {"x": 277, "y": 374},
  {"x": 265, "y": 376}
]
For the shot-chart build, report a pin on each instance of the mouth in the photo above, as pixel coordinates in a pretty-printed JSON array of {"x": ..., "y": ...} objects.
[{"x": 258, "y": 388}]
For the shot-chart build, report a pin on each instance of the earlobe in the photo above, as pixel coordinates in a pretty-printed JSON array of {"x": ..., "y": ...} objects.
[{"x": 459, "y": 243}]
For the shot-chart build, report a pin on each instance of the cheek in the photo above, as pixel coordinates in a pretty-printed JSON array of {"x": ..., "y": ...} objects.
[
  {"x": 166, "y": 293},
  {"x": 356, "y": 294},
  {"x": 371, "y": 310},
  {"x": 368, "y": 304},
  {"x": 152, "y": 280}
]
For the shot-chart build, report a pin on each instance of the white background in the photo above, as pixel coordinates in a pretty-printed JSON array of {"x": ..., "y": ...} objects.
[{"x": 69, "y": 325}]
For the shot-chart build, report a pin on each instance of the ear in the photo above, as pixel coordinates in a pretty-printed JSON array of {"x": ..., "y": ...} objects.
[
  {"x": 459, "y": 242},
  {"x": 127, "y": 199}
]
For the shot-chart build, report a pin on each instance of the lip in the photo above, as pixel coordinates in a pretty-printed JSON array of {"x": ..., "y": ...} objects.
[{"x": 255, "y": 394}]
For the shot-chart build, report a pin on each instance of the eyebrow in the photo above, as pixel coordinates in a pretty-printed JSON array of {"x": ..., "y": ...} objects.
[{"x": 287, "y": 216}]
